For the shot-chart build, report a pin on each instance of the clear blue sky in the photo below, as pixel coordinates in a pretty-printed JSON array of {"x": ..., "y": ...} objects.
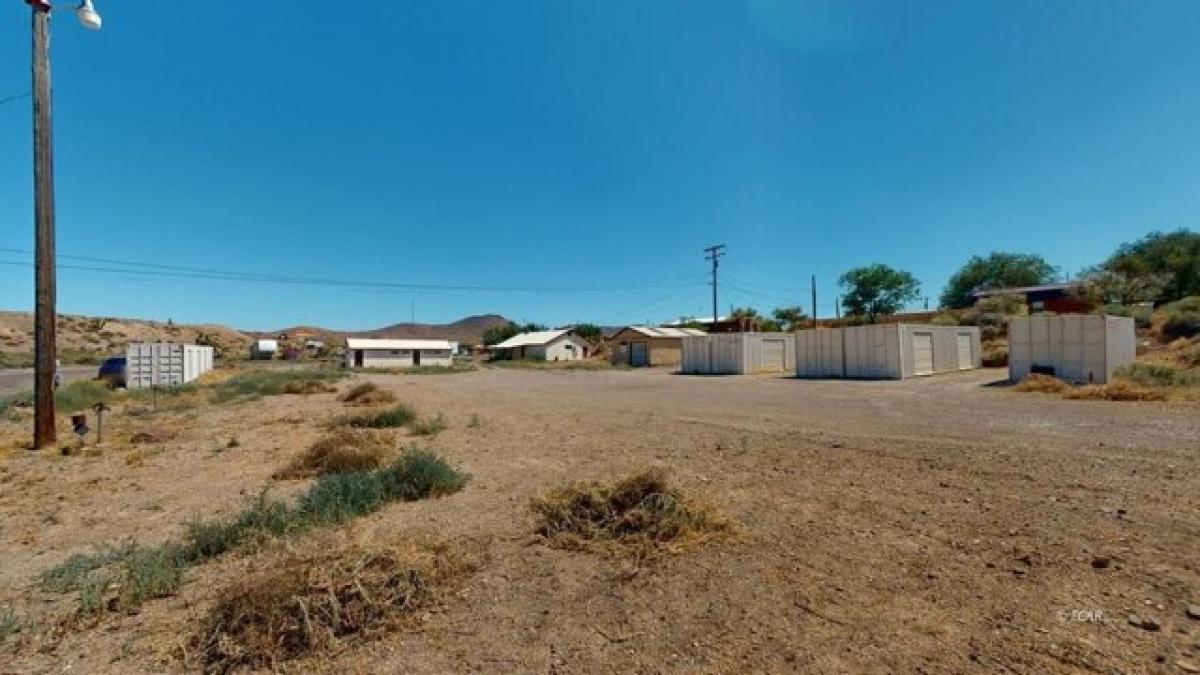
[{"x": 590, "y": 150}]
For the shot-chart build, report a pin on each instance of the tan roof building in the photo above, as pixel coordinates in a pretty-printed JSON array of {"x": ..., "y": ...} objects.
[{"x": 640, "y": 346}]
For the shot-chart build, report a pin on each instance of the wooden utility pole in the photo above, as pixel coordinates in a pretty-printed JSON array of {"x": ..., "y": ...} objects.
[
  {"x": 45, "y": 343},
  {"x": 714, "y": 254},
  {"x": 814, "y": 299}
]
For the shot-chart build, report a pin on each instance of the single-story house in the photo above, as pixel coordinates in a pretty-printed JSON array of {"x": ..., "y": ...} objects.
[
  {"x": 1059, "y": 298},
  {"x": 546, "y": 345},
  {"x": 649, "y": 346},
  {"x": 370, "y": 353}
]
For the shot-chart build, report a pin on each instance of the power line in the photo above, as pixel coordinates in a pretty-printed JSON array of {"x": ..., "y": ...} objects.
[
  {"x": 185, "y": 272},
  {"x": 15, "y": 97}
]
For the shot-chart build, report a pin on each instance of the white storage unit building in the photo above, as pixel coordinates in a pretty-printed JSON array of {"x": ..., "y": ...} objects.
[
  {"x": 886, "y": 351},
  {"x": 738, "y": 353},
  {"x": 165, "y": 365},
  {"x": 1081, "y": 348},
  {"x": 368, "y": 353}
]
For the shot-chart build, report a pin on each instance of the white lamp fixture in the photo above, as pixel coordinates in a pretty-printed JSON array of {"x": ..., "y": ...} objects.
[{"x": 88, "y": 16}]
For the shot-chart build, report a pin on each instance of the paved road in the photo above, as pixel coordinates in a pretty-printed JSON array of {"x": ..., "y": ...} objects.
[{"x": 17, "y": 379}]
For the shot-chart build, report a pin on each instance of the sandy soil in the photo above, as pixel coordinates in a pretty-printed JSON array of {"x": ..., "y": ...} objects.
[{"x": 932, "y": 526}]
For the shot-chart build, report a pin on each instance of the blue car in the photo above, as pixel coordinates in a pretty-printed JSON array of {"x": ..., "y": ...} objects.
[{"x": 112, "y": 372}]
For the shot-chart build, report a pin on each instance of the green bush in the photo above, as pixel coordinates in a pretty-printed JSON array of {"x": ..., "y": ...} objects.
[
  {"x": 80, "y": 395},
  {"x": 1008, "y": 305},
  {"x": 429, "y": 427},
  {"x": 1158, "y": 375},
  {"x": 1142, "y": 315},
  {"x": 21, "y": 399},
  {"x": 944, "y": 319},
  {"x": 260, "y": 382},
  {"x": 395, "y": 417},
  {"x": 1181, "y": 318},
  {"x": 143, "y": 573}
]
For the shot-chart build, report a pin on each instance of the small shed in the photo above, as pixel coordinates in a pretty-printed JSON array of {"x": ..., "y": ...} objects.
[
  {"x": 546, "y": 345},
  {"x": 1081, "y": 348},
  {"x": 371, "y": 353},
  {"x": 738, "y": 353},
  {"x": 886, "y": 351},
  {"x": 639, "y": 346},
  {"x": 263, "y": 350}
]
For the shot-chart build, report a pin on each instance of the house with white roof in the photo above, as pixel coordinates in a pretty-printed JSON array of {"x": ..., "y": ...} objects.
[
  {"x": 544, "y": 345},
  {"x": 640, "y": 346},
  {"x": 371, "y": 353}
]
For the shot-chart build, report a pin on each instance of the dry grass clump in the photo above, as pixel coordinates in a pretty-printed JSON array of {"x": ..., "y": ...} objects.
[
  {"x": 151, "y": 435},
  {"x": 1042, "y": 384},
  {"x": 1119, "y": 390},
  {"x": 305, "y": 387},
  {"x": 367, "y": 393},
  {"x": 640, "y": 514},
  {"x": 341, "y": 451},
  {"x": 312, "y": 604}
]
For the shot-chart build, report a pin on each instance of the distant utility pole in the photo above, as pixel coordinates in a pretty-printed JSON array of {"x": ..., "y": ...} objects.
[
  {"x": 814, "y": 299},
  {"x": 837, "y": 307},
  {"x": 714, "y": 254},
  {"x": 45, "y": 346}
]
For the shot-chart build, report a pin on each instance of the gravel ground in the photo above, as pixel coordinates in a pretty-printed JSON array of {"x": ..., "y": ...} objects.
[{"x": 938, "y": 525}]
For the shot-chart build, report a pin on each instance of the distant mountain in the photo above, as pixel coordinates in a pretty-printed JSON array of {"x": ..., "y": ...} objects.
[{"x": 466, "y": 331}]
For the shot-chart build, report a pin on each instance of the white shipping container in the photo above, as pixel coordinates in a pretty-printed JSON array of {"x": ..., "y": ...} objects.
[
  {"x": 165, "y": 365},
  {"x": 1080, "y": 348},
  {"x": 886, "y": 351}
]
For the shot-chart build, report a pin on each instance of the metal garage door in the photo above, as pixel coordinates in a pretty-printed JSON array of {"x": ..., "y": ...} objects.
[
  {"x": 773, "y": 355},
  {"x": 922, "y": 353},
  {"x": 965, "y": 361},
  {"x": 638, "y": 354}
]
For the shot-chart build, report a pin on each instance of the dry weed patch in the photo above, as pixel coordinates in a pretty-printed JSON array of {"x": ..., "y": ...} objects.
[
  {"x": 367, "y": 393},
  {"x": 640, "y": 514},
  {"x": 1116, "y": 391},
  {"x": 311, "y": 604},
  {"x": 341, "y": 451},
  {"x": 304, "y": 387},
  {"x": 1042, "y": 384}
]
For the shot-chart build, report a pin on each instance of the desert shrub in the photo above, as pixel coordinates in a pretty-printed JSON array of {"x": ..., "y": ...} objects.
[
  {"x": 944, "y": 319},
  {"x": 1188, "y": 355},
  {"x": 10, "y": 624},
  {"x": 21, "y": 399},
  {"x": 1042, "y": 384},
  {"x": 995, "y": 354},
  {"x": 394, "y": 417},
  {"x": 308, "y": 386},
  {"x": 1006, "y": 305},
  {"x": 1142, "y": 315},
  {"x": 312, "y": 603},
  {"x": 1181, "y": 319},
  {"x": 341, "y": 451},
  {"x": 259, "y": 382},
  {"x": 1158, "y": 375},
  {"x": 143, "y": 573},
  {"x": 1116, "y": 391},
  {"x": 428, "y": 427},
  {"x": 367, "y": 393},
  {"x": 641, "y": 513},
  {"x": 80, "y": 395}
]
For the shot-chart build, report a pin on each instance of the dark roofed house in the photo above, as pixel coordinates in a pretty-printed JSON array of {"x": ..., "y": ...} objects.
[{"x": 1060, "y": 298}]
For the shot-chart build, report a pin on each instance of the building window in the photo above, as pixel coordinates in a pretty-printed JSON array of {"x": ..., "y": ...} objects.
[
  {"x": 395, "y": 352},
  {"x": 1037, "y": 306}
]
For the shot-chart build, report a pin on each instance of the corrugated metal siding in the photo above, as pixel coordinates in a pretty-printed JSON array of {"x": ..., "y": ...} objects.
[
  {"x": 165, "y": 365},
  {"x": 819, "y": 353},
  {"x": 1078, "y": 348},
  {"x": 721, "y": 354}
]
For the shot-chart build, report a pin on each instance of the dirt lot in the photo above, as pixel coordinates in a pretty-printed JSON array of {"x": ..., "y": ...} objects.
[{"x": 933, "y": 526}]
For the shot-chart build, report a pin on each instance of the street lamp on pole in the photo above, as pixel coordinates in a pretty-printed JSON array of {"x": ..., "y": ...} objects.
[{"x": 45, "y": 339}]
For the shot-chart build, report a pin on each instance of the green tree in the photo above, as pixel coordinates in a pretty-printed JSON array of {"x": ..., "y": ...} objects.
[
  {"x": 877, "y": 289},
  {"x": 790, "y": 318},
  {"x": 497, "y": 334},
  {"x": 589, "y": 331},
  {"x": 998, "y": 270},
  {"x": 1173, "y": 256}
]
